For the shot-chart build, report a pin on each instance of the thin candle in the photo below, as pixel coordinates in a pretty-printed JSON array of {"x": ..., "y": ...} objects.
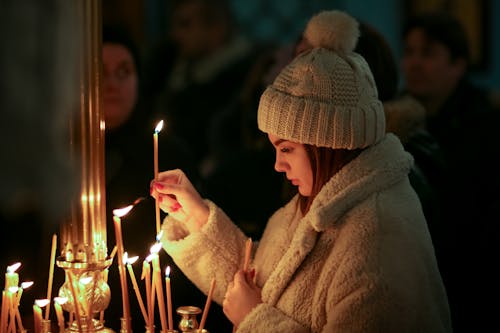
[
  {"x": 169, "y": 298},
  {"x": 207, "y": 305},
  {"x": 158, "y": 128},
  {"x": 12, "y": 308},
  {"x": 146, "y": 274},
  {"x": 51, "y": 273},
  {"x": 3, "y": 318},
  {"x": 121, "y": 267},
  {"x": 129, "y": 262},
  {"x": 24, "y": 286},
  {"x": 158, "y": 285},
  {"x": 58, "y": 301},
  {"x": 37, "y": 311},
  {"x": 37, "y": 318}
]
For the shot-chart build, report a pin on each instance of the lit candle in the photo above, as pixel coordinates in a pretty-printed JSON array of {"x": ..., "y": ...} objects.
[
  {"x": 3, "y": 318},
  {"x": 121, "y": 267},
  {"x": 146, "y": 274},
  {"x": 12, "y": 297},
  {"x": 158, "y": 285},
  {"x": 129, "y": 262},
  {"x": 158, "y": 128},
  {"x": 51, "y": 273},
  {"x": 169, "y": 298},
  {"x": 24, "y": 286},
  {"x": 37, "y": 317},
  {"x": 58, "y": 301},
  {"x": 11, "y": 277},
  {"x": 37, "y": 312},
  {"x": 207, "y": 305}
]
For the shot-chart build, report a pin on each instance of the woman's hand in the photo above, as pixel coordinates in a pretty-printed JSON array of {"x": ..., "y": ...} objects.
[
  {"x": 242, "y": 295},
  {"x": 178, "y": 197}
]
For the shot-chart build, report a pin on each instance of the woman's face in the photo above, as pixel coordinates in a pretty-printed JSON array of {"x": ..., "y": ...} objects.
[
  {"x": 119, "y": 84},
  {"x": 292, "y": 159}
]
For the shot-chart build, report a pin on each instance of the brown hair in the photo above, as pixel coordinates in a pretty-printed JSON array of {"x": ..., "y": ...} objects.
[{"x": 325, "y": 162}]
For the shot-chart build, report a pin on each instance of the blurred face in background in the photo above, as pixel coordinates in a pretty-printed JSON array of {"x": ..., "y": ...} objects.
[
  {"x": 429, "y": 71},
  {"x": 189, "y": 30},
  {"x": 119, "y": 84}
]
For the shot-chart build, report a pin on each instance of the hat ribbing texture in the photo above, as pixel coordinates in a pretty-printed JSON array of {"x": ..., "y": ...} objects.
[{"x": 324, "y": 98}]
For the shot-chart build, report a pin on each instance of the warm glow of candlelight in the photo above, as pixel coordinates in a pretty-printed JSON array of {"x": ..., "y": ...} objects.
[
  {"x": 13, "y": 289},
  {"x": 12, "y": 268},
  {"x": 121, "y": 212},
  {"x": 155, "y": 248},
  {"x": 27, "y": 284},
  {"x": 42, "y": 302},
  {"x": 61, "y": 300},
  {"x": 132, "y": 260},
  {"x": 121, "y": 266},
  {"x": 159, "y": 126}
]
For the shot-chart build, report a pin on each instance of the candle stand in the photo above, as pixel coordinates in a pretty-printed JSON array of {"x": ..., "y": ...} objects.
[{"x": 85, "y": 300}]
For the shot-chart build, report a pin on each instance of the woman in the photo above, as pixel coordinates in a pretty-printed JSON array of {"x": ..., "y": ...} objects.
[{"x": 351, "y": 252}]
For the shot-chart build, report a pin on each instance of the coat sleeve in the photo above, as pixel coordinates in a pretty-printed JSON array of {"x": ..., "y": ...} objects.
[{"x": 217, "y": 250}]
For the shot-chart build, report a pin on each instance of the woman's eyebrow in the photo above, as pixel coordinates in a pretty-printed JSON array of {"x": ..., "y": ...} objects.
[{"x": 279, "y": 141}]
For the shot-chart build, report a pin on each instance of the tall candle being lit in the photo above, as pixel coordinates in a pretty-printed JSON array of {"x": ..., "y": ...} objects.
[
  {"x": 117, "y": 214},
  {"x": 158, "y": 128},
  {"x": 169, "y": 298}
]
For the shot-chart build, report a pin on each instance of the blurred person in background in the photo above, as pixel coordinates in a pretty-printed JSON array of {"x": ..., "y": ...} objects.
[
  {"x": 129, "y": 166},
  {"x": 458, "y": 114}
]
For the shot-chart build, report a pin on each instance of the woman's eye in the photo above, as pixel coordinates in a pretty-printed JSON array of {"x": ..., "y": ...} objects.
[{"x": 285, "y": 150}]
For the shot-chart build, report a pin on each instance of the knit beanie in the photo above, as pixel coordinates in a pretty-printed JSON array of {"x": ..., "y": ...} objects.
[{"x": 326, "y": 96}]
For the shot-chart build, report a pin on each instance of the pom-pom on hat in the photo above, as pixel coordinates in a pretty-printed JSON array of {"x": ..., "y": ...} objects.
[{"x": 326, "y": 96}]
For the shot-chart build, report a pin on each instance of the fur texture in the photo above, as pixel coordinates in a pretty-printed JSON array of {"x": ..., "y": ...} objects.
[
  {"x": 333, "y": 30},
  {"x": 361, "y": 260}
]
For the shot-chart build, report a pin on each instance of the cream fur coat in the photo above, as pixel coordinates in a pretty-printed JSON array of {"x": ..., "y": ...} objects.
[{"x": 361, "y": 260}]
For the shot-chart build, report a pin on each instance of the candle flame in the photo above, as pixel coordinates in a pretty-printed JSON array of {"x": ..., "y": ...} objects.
[
  {"x": 60, "y": 300},
  {"x": 167, "y": 271},
  {"x": 125, "y": 257},
  {"x": 12, "y": 268},
  {"x": 120, "y": 212},
  {"x": 132, "y": 260},
  {"x": 155, "y": 248},
  {"x": 150, "y": 257},
  {"x": 158, "y": 236},
  {"x": 26, "y": 284},
  {"x": 42, "y": 302},
  {"x": 159, "y": 126},
  {"x": 13, "y": 289}
]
